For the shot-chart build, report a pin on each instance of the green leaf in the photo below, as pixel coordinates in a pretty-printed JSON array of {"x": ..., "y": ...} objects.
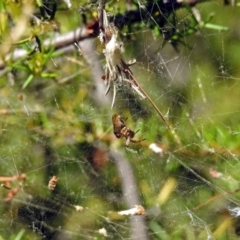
[
  {"x": 159, "y": 231},
  {"x": 20, "y": 235},
  {"x": 49, "y": 75},
  {"x": 29, "y": 79},
  {"x": 215, "y": 27}
]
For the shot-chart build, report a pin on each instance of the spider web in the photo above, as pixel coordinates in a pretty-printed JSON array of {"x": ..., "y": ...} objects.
[{"x": 189, "y": 190}]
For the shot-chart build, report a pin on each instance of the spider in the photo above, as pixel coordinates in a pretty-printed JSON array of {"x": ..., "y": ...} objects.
[{"x": 122, "y": 131}]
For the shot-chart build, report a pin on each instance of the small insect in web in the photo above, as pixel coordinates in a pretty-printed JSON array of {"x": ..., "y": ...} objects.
[
  {"x": 122, "y": 131},
  {"x": 52, "y": 183}
]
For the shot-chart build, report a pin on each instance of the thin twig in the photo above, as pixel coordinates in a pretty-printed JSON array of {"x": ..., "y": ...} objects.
[
  {"x": 130, "y": 194},
  {"x": 156, "y": 108},
  {"x": 57, "y": 42},
  {"x": 67, "y": 39},
  {"x": 149, "y": 99}
]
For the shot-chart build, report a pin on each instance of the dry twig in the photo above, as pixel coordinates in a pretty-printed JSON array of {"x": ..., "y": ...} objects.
[{"x": 7, "y": 183}]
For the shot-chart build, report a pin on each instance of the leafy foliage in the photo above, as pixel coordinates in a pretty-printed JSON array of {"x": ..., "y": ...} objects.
[{"x": 52, "y": 125}]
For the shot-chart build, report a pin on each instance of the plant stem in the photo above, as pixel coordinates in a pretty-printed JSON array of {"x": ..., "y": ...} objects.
[{"x": 172, "y": 130}]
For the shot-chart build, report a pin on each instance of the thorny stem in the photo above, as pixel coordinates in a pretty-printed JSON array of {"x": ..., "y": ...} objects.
[{"x": 155, "y": 107}]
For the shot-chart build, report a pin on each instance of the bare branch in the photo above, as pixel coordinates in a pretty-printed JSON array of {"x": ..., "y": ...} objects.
[
  {"x": 101, "y": 7},
  {"x": 88, "y": 49},
  {"x": 62, "y": 41},
  {"x": 130, "y": 192},
  {"x": 58, "y": 42}
]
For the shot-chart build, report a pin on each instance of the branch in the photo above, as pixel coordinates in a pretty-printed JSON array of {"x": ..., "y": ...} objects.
[
  {"x": 130, "y": 193},
  {"x": 89, "y": 52},
  {"x": 58, "y": 42},
  {"x": 130, "y": 17},
  {"x": 143, "y": 12},
  {"x": 101, "y": 7}
]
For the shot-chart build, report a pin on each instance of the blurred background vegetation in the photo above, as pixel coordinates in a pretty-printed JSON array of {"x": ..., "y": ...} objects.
[{"x": 56, "y": 121}]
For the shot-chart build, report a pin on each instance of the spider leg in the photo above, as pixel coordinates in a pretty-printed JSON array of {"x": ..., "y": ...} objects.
[
  {"x": 137, "y": 141},
  {"x": 136, "y": 131},
  {"x": 128, "y": 141}
]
